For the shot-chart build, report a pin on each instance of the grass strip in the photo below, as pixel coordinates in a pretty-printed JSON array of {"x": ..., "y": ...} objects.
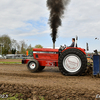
[{"x": 10, "y": 62}]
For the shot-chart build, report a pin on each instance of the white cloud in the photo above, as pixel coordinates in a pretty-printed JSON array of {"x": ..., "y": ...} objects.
[
  {"x": 34, "y": 32},
  {"x": 82, "y": 18},
  {"x": 14, "y": 13}
]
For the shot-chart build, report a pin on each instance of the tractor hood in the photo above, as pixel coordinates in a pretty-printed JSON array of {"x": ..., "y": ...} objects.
[{"x": 45, "y": 50}]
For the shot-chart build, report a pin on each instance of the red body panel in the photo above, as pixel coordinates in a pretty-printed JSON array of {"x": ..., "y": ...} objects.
[
  {"x": 26, "y": 61},
  {"x": 47, "y": 56},
  {"x": 45, "y": 49}
]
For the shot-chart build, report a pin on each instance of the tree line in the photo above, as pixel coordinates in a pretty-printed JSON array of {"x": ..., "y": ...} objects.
[{"x": 12, "y": 46}]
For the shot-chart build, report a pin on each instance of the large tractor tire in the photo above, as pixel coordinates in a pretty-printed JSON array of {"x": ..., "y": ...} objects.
[
  {"x": 72, "y": 62},
  {"x": 41, "y": 68},
  {"x": 33, "y": 65}
]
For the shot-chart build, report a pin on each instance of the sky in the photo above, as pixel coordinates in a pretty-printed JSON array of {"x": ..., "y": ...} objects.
[{"x": 28, "y": 20}]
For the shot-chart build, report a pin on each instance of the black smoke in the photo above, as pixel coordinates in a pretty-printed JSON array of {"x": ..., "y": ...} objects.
[{"x": 56, "y": 8}]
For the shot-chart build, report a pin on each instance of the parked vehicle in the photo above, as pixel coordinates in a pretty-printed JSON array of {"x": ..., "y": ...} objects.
[
  {"x": 2, "y": 57},
  {"x": 10, "y": 56}
]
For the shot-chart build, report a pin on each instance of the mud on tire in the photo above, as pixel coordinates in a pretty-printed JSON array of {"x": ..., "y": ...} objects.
[
  {"x": 41, "y": 68},
  {"x": 72, "y": 62}
]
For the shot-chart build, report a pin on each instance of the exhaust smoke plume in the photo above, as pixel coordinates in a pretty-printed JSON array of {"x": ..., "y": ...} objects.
[{"x": 56, "y": 8}]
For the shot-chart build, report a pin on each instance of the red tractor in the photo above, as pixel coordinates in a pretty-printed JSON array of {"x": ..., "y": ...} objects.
[{"x": 70, "y": 60}]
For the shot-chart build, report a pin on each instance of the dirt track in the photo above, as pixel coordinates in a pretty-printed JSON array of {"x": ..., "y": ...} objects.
[
  {"x": 49, "y": 83},
  {"x": 10, "y": 60}
]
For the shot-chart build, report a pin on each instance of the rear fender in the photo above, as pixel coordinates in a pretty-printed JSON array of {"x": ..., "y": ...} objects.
[
  {"x": 83, "y": 50},
  {"x": 25, "y": 61}
]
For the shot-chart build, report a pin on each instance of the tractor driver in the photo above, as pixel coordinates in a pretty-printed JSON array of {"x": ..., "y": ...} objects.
[{"x": 73, "y": 43}]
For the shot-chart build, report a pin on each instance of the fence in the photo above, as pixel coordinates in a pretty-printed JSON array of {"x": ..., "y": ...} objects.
[{"x": 18, "y": 56}]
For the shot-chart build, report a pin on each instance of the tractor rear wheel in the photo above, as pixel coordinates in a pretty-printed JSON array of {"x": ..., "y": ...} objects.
[
  {"x": 72, "y": 62},
  {"x": 33, "y": 65},
  {"x": 41, "y": 68}
]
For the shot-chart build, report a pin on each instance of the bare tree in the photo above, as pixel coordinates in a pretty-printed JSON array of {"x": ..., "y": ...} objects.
[
  {"x": 14, "y": 43},
  {"x": 30, "y": 48},
  {"x": 23, "y": 46}
]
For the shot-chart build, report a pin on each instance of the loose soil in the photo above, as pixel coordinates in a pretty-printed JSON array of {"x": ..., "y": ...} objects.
[
  {"x": 10, "y": 60},
  {"x": 49, "y": 84}
]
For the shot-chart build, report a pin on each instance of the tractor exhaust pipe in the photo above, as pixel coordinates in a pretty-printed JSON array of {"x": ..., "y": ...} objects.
[{"x": 54, "y": 45}]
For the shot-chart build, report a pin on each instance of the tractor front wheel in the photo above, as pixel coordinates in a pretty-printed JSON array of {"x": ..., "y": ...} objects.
[
  {"x": 72, "y": 62},
  {"x": 33, "y": 65}
]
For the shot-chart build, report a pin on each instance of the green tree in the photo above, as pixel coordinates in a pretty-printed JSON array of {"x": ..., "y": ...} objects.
[
  {"x": 13, "y": 50},
  {"x": 6, "y": 41},
  {"x": 38, "y": 46}
]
